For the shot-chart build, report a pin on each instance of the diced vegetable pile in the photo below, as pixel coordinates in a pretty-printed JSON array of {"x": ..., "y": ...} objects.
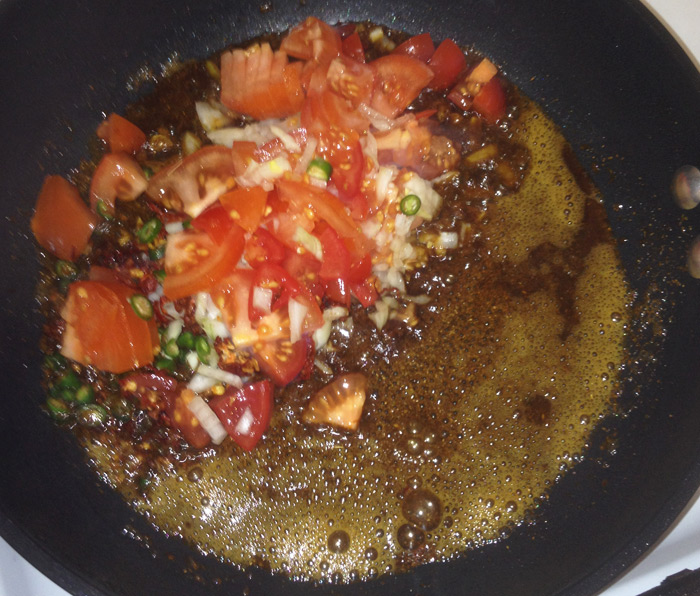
[{"x": 264, "y": 239}]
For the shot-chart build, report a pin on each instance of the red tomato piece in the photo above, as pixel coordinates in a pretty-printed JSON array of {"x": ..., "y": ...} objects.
[
  {"x": 261, "y": 83},
  {"x": 348, "y": 163},
  {"x": 447, "y": 63},
  {"x": 155, "y": 391},
  {"x": 338, "y": 291},
  {"x": 262, "y": 247},
  {"x": 281, "y": 360},
  {"x": 215, "y": 221},
  {"x": 102, "y": 329},
  {"x": 245, "y": 413},
  {"x": 336, "y": 258},
  {"x": 312, "y": 40},
  {"x": 62, "y": 223},
  {"x": 231, "y": 296},
  {"x": 351, "y": 79},
  {"x": 400, "y": 79},
  {"x": 275, "y": 147},
  {"x": 365, "y": 292},
  {"x": 352, "y": 47},
  {"x": 326, "y": 207},
  {"x": 121, "y": 135},
  {"x": 194, "y": 183},
  {"x": 463, "y": 94},
  {"x": 186, "y": 422},
  {"x": 245, "y": 206},
  {"x": 195, "y": 263},
  {"x": 490, "y": 102},
  {"x": 339, "y": 403},
  {"x": 420, "y": 47},
  {"x": 243, "y": 154},
  {"x": 117, "y": 176}
]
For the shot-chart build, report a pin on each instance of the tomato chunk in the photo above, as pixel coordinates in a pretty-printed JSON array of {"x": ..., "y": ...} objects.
[
  {"x": 420, "y": 47},
  {"x": 102, "y": 329},
  {"x": 282, "y": 360},
  {"x": 339, "y": 403},
  {"x": 245, "y": 413},
  {"x": 245, "y": 206},
  {"x": 312, "y": 40},
  {"x": 121, "y": 135},
  {"x": 260, "y": 82},
  {"x": 186, "y": 422},
  {"x": 195, "y": 263},
  {"x": 447, "y": 63},
  {"x": 352, "y": 47},
  {"x": 215, "y": 221},
  {"x": 117, "y": 176},
  {"x": 490, "y": 102},
  {"x": 62, "y": 223},
  {"x": 400, "y": 79}
]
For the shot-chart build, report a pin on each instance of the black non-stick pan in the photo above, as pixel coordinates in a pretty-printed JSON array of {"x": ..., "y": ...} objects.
[{"x": 627, "y": 99}]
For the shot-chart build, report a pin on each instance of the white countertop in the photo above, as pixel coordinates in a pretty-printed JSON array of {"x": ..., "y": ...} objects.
[{"x": 680, "y": 547}]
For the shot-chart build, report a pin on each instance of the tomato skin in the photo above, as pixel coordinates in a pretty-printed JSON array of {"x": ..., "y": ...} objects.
[
  {"x": 195, "y": 263},
  {"x": 490, "y": 102},
  {"x": 245, "y": 206},
  {"x": 447, "y": 63},
  {"x": 215, "y": 221},
  {"x": 186, "y": 422},
  {"x": 62, "y": 223},
  {"x": 282, "y": 361},
  {"x": 336, "y": 258},
  {"x": 352, "y": 47},
  {"x": 245, "y": 413},
  {"x": 262, "y": 247},
  {"x": 103, "y": 330},
  {"x": 365, "y": 292},
  {"x": 420, "y": 47},
  {"x": 400, "y": 79},
  {"x": 312, "y": 40},
  {"x": 121, "y": 135},
  {"x": 117, "y": 176},
  {"x": 260, "y": 82},
  {"x": 192, "y": 184}
]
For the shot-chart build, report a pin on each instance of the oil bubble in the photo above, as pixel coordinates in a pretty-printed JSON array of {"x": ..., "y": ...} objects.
[
  {"x": 338, "y": 541},
  {"x": 422, "y": 508},
  {"x": 409, "y": 537}
]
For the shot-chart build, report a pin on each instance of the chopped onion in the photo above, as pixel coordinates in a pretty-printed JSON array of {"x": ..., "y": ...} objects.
[
  {"x": 199, "y": 383},
  {"x": 245, "y": 422},
  {"x": 262, "y": 299},
  {"x": 210, "y": 117},
  {"x": 381, "y": 315},
  {"x": 448, "y": 240},
  {"x": 431, "y": 201},
  {"x": 173, "y": 330},
  {"x": 287, "y": 140},
  {"x": 384, "y": 176},
  {"x": 208, "y": 419},
  {"x": 309, "y": 242},
  {"x": 192, "y": 360},
  {"x": 376, "y": 119},
  {"x": 323, "y": 367},
  {"x": 297, "y": 314},
  {"x": 322, "y": 334},
  {"x": 306, "y": 156},
  {"x": 219, "y": 375},
  {"x": 170, "y": 310},
  {"x": 174, "y": 227},
  {"x": 419, "y": 299}
]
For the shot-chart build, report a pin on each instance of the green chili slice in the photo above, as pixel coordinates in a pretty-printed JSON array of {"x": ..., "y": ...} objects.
[
  {"x": 186, "y": 340},
  {"x": 165, "y": 364},
  {"x": 320, "y": 169},
  {"x": 85, "y": 394},
  {"x": 150, "y": 230},
  {"x": 147, "y": 172},
  {"x": 103, "y": 210},
  {"x": 171, "y": 348},
  {"x": 142, "y": 306},
  {"x": 157, "y": 253},
  {"x": 203, "y": 349},
  {"x": 92, "y": 415},
  {"x": 66, "y": 269},
  {"x": 410, "y": 205},
  {"x": 58, "y": 409},
  {"x": 56, "y": 362},
  {"x": 69, "y": 381},
  {"x": 159, "y": 274}
]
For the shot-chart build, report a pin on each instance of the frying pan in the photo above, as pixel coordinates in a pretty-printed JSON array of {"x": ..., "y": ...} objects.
[{"x": 627, "y": 99}]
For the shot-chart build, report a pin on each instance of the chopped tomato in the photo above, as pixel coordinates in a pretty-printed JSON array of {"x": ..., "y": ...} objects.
[
  {"x": 215, "y": 221},
  {"x": 327, "y": 208},
  {"x": 365, "y": 292},
  {"x": 260, "y": 83},
  {"x": 400, "y": 79},
  {"x": 312, "y": 40},
  {"x": 447, "y": 63},
  {"x": 262, "y": 247},
  {"x": 121, "y": 135},
  {"x": 339, "y": 403},
  {"x": 245, "y": 413},
  {"x": 282, "y": 360},
  {"x": 336, "y": 258},
  {"x": 245, "y": 206},
  {"x": 155, "y": 391},
  {"x": 62, "y": 223},
  {"x": 195, "y": 263},
  {"x": 275, "y": 147},
  {"x": 117, "y": 176},
  {"x": 420, "y": 47},
  {"x": 352, "y": 80},
  {"x": 490, "y": 102},
  {"x": 414, "y": 146},
  {"x": 243, "y": 154},
  {"x": 186, "y": 422},
  {"x": 328, "y": 112},
  {"x": 102, "y": 329},
  {"x": 194, "y": 183},
  {"x": 231, "y": 296},
  {"x": 352, "y": 47}
]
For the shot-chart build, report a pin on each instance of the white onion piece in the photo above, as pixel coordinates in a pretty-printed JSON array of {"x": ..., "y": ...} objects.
[
  {"x": 306, "y": 156},
  {"x": 192, "y": 360},
  {"x": 381, "y": 315},
  {"x": 200, "y": 383},
  {"x": 219, "y": 375},
  {"x": 297, "y": 314},
  {"x": 208, "y": 419},
  {"x": 170, "y": 310},
  {"x": 287, "y": 140},
  {"x": 322, "y": 334},
  {"x": 174, "y": 227},
  {"x": 210, "y": 117},
  {"x": 323, "y": 367},
  {"x": 245, "y": 422},
  {"x": 309, "y": 242},
  {"x": 173, "y": 330},
  {"x": 448, "y": 240},
  {"x": 262, "y": 299},
  {"x": 376, "y": 119}
]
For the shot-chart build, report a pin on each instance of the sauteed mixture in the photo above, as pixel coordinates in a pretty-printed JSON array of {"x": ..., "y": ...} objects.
[{"x": 337, "y": 302}]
